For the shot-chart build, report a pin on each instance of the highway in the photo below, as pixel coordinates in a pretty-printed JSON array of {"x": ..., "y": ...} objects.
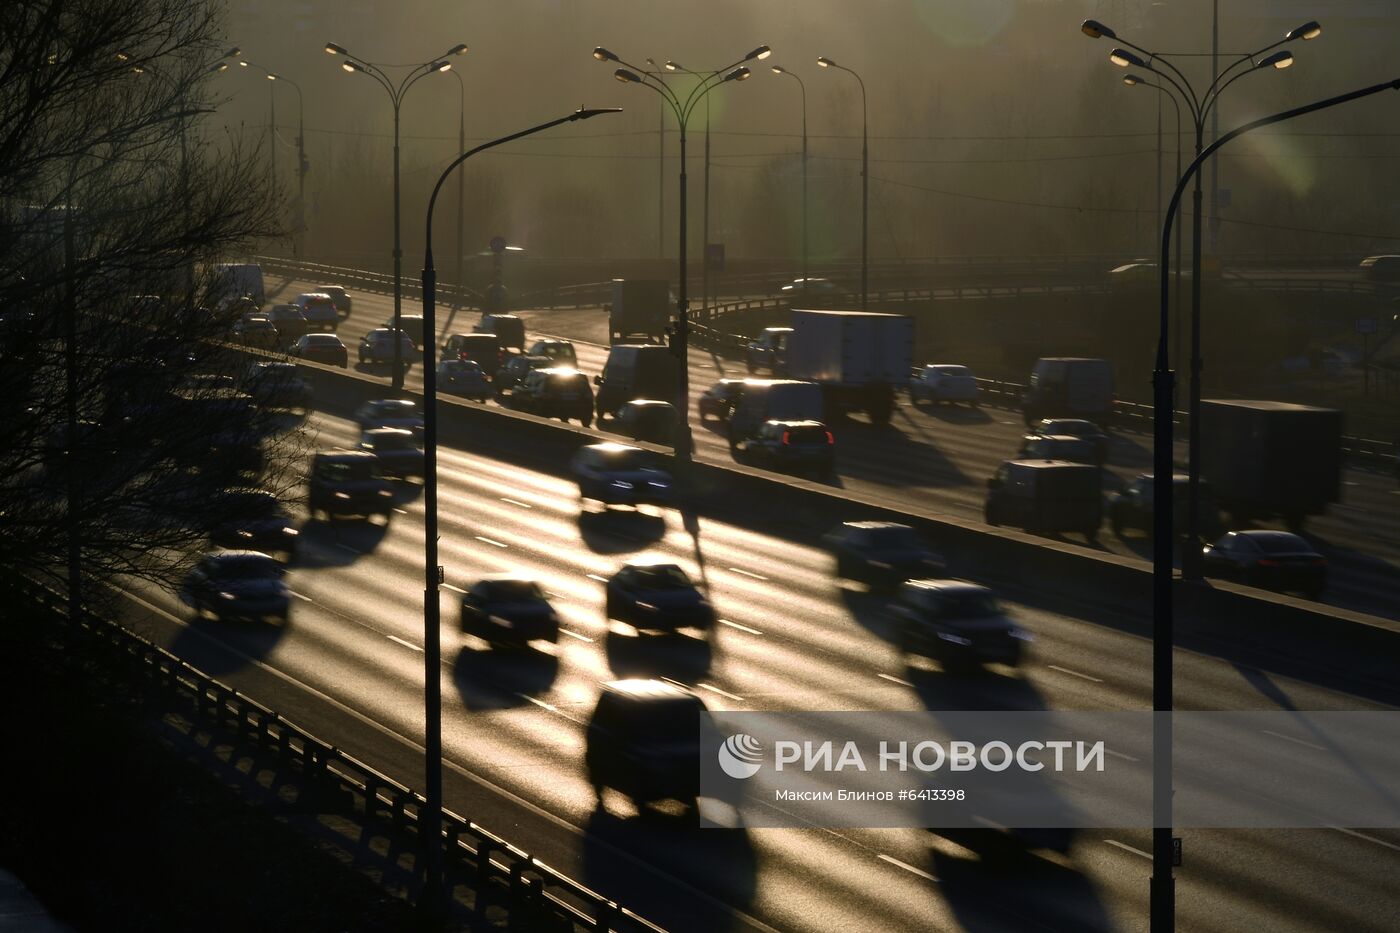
[
  {"x": 939, "y": 457},
  {"x": 349, "y": 666}
]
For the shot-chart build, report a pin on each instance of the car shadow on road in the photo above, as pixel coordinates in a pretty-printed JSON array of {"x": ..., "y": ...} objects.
[
  {"x": 337, "y": 542},
  {"x": 869, "y": 607},
  {"x": 501, "y": 678},
  {"x": 655, "y": 864},
  {"x": 902, "y": 448},
  {"x": 620, "y": 531},
  {"x": 222, "y": 647},
  {"x": 672, "y": 655},
  {"x": 952, "y": 413}
]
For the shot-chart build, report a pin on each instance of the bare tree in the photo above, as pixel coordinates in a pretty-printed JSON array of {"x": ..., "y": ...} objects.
[{"x": 123, "y": 412}]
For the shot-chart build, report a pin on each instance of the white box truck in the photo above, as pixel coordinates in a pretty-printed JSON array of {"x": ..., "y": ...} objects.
[
  {"x": 858, "y": 358},
  {"x": 640, "y": 310}
]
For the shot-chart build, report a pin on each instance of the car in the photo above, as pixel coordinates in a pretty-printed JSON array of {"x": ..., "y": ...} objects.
[
  {"x": 256, "y": 331},
  {"x": 377, "y": 347},
  {"x": 241, "y": 584},
  {"x": 321, "y": 348},
  {"x": 1381, "y": 268},
  {"x": 956, "y": 623},
  {"x": 410, "y": 324},
  {"x": 1058, "y": 447},
  {"x": 509, "y": 329},
  {"x": 347, "y": 482},
  {"x": 231, "y": 454},
  {"x": 1050, "y": 496},
  {"x": 647, "y": 419},
  {"x": 513, "y": 372},
  {"x": 508, "y": 609},
  {"x": 319, "y": 310},
  {"x": 252, "y": 519},
  {"x": 278, "y": 386},
  {"x": 944, "y": 382},
  {"x": 720, "y": 399},
  {"x": 813, "y": 292},
  {"x": 290, "y": 323},
  {"x": 1274, "y": 560},
  {"x": 396, "y": 449},
  {"x": 774, "y": 400},
  {"x": 339, "y": 296},
  {"x": 560, "y": 351},
  {"x": 1132, "y": 507},
  {"x": 643, "y": 740},
  {"x": 390, "y": 413},
  {"x": 881, "y": 553},
  {"x": 555, "y": 392},
  {"x": 768, "y": 350},
  {"x": 656, "y": 596},
  {"x": 1077, "y": 427},
  {"x": 463, "y": 378},
  {"x": 792, "y": 446},
  {"x": 620, "y": 474}
]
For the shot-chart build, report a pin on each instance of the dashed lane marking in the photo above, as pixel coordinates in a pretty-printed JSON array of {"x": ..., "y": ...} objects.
[
  {"x": 742, "y": 628},
  {"x": 907, "y": 867},
  {"x": 406, "y": 644},
  {"x": 895, "y": 680},
  {"x": 1065, "y": 670}
]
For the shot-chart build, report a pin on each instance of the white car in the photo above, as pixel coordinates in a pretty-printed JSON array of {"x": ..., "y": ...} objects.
[{"x": 944, "y": 382}]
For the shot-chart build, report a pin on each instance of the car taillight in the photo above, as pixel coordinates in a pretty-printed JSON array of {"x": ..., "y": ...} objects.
[
  {"x": 1265, "y": 562},
  {"x": 829, "y": 439},
  {"x": 785, "y": 438},
  {"x": 1320, "y": 562}
]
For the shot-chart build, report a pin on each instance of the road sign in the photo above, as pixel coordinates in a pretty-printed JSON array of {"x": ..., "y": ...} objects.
[{"x": 1366, "y": 325}]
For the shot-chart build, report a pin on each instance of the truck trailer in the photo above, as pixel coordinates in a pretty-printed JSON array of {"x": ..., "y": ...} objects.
[
  {"x": 858, "y": 358},
  {"x": 639, "y": 311}
]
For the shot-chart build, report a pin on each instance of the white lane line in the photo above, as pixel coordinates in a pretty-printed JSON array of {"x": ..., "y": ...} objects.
[
  {"x": 1120, "y": 755},
  {"x": 1065, "y": 670},
  {"x": 485, "y": 540},
  {"x": 1289, "y": 738},
  {"x": 594, "y": 576},
  {"x": 1379, "y": 842},
  {"x": 346, "y": 547},
  {"x": 299, "y": 596},
  {"x": 455, "y": 589},
  {"x": 564, "y": 631},
  {"x": 747, "y": 573},
  {"x": 523, "y": 505},
  {"x": 406, "y": 644},
  {"x": 907, "y": 867},
  {"x": 401, "y": 511},
  {"x": 538, "y": 702},
  {"x": 1127, "y": 848},
  {"x": 892, "y": 679},
  {"x": 742, "y": 628},
  {"x": 555, "y": 595},
  {"x": 724, "y": 693}
]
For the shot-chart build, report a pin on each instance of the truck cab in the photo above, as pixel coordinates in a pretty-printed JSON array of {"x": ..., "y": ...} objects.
[
  {"x": 1053, "y": 496},
  {"x": 768, "y": 350},
  {"x": 1069, "y": 387},
  {"x": 635, "y": 371}
]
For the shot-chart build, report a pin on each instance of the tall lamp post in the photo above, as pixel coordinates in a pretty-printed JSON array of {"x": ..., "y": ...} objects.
[
  {"x": 396, "y": 92},
  {"x": 780, "y": 70},
  {"x": 825, "y": 62},
  {"x": 461, "y": 182},
  {"x": 301, "y": 148},
  {"x": 1163, "y": 907},
  {"x": 1199, "y": 108},
  {"x": 682, "y": 108},
  {"x": 430, "y": 824}
]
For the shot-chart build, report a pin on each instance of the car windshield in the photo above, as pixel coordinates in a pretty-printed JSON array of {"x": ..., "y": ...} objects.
[
  {"x": 394, "y": 409},
  {"x": 951, "y": 370},
  {"x": 1071, "y": 428},
  {"x": 665, "y": 721},
  {"x": 555, "y": 351},
  {"x": 322, "y": 340},
  {"x": 973, "y": 604},
  {"x": 255, "y": 504},
  {"x": 661, "y": 577},
  {"x": 244, "y": 567},
  {"x": 347, "y": 471},
  {"x": 894, "y": 536},
  {"x": 513, "y": 591},
  {"x": 627, "y": 459},
  {"x": 1281, "y": 542},
  {"x": 395, "y": 441}
]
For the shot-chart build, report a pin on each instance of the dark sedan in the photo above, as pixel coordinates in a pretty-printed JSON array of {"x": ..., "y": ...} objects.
[
  {"x": 1076, "y": 427},
  {"x": 253, "y": 519},
  {"x": 657, "y": 597},
  {"x": 881, "y": 553},
  {"x": 396, "y": 449},
  {"x": 956, "y": 623},
  {"x": 322, "y": 348},
  {"x": 509, "y": 610},
  {"x": 720, "y": 399},
  {"x": 238, "y": 585},
  {"x": 1273, "y": 560}
]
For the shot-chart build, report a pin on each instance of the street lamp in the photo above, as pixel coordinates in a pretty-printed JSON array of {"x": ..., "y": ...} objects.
[
  {"x": 1199, "y": 107},
  {"x": 1163, "y": 908},
  {"x": 302, "y": 164},
  {"x": 353, "y": 64},
  {"x": 430, "y": 817},
  {"x": 682, "y": 108},
  {"x": 825, "y": 62},
  {"x": 780, "y": 70}
]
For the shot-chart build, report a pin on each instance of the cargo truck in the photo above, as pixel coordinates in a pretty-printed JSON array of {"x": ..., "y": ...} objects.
[
  {"x": 857, "y": 357},
  {"x": 635, "y": 372},
  {"x": 639, "y": 311},
  {"x": 1271, "y": 459}
]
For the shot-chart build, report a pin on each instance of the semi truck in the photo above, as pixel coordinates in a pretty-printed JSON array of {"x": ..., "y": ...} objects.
[
  {"x": 1271, "y": 459},
  {"x": 858, "y": 358},
  {"x": 639, "y": 311}
]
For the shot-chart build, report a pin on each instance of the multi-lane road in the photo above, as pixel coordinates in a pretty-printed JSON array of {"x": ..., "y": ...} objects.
[
  {"x": 349, "y": 665},
  {"x": 939, "y": 458}
]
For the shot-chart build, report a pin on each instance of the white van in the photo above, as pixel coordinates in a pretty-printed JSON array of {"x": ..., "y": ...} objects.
[{"x": 235, "y": 280}]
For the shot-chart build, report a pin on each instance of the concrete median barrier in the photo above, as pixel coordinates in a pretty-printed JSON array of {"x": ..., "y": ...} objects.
[{"x": 1209, "y": 616}]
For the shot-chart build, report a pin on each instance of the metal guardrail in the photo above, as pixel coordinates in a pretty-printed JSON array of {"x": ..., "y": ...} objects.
[
  {"x": 535, "y": 896},
  {"x": 371, "y": 281}
]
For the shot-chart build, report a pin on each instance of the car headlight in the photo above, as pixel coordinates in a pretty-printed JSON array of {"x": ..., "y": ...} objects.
[
  {"x": 386, "y": 492},
  {"x": 290, "y": 531},
  {"x": 659, "y": 484},
  {"x": 224, "y": 594},
  {"x": 1022, "y": 634},
  {"x": 620, "y": 484},
  {"x": 244, "y": 533},
  {"x": 342, "y": 495},
  {"x": 502, "y": 621},
  {"x": 878, "y": 564},
  {"x": 955, "y": 639}
]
